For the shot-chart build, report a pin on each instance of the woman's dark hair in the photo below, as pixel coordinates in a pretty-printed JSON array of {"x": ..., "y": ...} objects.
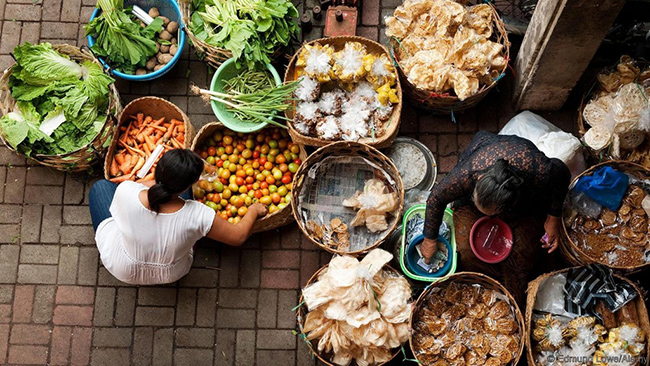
[
  {"x": 176, "y": 171},
  {"x": 498, "y": 188}
]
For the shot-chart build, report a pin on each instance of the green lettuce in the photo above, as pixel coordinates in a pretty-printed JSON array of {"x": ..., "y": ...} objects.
[{"x": 80, "y": 92}]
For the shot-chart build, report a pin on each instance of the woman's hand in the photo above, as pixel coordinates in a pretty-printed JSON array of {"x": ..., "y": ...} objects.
[
  {"x": 552, "y": 228},
  {"x": 428, "y": 248},
  {"x": 259, "y": 209}
]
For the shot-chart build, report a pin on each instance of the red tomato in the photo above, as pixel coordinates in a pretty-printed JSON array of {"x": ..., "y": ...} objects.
[
  {"x": 270, "y": 179},
  {"x": 262, "y": 161},
  {"x": 220, "y": 163},
  {"x": 258, "y": 194},
  {"x": 280, "y": 159},
  {"x": 276, "y": 198},
  {"x": 286, "y": 179},
  {"x": 204, "y": 154},
  {"x": 239, "y": 181},
  {"x": 264, "y": 185},
  {"x": 298, "y": 161},
  {"x": 256, "y": 154}
]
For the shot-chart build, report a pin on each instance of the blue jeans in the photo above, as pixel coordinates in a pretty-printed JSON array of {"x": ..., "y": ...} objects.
[{"x": 101, "y": 196}]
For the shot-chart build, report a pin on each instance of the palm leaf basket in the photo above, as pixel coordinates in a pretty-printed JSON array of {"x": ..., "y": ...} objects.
[
  {"x": 214, "y": 56},
  {"x": 472, "y": 278},
  {"x": 271, "y": 221},
  {"x": 150, "y": 106},
  {"x": 583, "y": 126},
  {"x": 572, "y": 252},
  {"x": 448, "y": 103},
  {"x": 391, "y": 125},
  {"x": 87, "y": 156},
  {"x": 533, "y": 288},
  {"x": 301, "y": 313},
  {"x": 345, "y": 149}
]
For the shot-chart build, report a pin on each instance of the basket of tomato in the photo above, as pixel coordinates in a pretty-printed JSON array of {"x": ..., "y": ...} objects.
[{"x": 245, "y": 168}]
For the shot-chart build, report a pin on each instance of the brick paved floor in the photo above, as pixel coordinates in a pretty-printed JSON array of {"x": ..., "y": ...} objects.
[{"x": 59, "y": 306}]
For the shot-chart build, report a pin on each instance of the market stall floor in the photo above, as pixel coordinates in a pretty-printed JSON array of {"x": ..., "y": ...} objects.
[{"x": 58, "y": 305}]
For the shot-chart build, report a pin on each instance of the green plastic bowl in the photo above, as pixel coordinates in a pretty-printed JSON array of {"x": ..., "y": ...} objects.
[{"x": 225, "y": 72}]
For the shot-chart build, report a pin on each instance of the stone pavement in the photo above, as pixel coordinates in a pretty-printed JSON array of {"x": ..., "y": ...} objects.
[{"x": 59, "y": 306}]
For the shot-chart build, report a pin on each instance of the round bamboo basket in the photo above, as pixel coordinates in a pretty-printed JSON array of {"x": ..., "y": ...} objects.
[
  {"x": 346, "y": 148},
  {"x": 572, "y": 252},
  {"x": 473, "y": 278},
  {"x": 533, "y": 287},
  {"x": 448, "y": 103},
  {"x": 214, "y": 56},
  {"x": 150, "y": 106},
  {"x": 301, "y": 313},
  {"x": 83, "y": 158},
  {"x": 583, "y": 126},
  {"x": 269, "y": 222},
  {"x": 392, "y": 124}
]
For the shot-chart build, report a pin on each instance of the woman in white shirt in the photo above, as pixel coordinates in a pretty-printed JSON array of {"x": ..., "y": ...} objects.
[{"x": 145, "y": 231}]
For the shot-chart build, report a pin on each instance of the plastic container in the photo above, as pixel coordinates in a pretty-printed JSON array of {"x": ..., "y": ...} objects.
[
  {"x": 168, "y": 8},
  {"x": 227, "y": 71},
  {"x": 412, "y": 258},
  {"x": 491, "y": 240},
  {"x": 453, "y": 258}
]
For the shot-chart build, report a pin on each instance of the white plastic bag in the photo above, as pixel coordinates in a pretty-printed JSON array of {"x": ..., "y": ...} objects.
[{"x": 528, "y": 125}]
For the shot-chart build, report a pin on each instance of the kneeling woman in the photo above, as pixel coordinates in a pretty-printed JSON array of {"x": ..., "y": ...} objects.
[
  {"x": 145, "y": 232},
  {"x": 506, "y": 176}
]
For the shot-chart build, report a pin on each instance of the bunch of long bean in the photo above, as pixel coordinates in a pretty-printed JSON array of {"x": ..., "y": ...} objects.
[
  {"x": 256, "y": 107},
  {"x": 250, "y": 81}
]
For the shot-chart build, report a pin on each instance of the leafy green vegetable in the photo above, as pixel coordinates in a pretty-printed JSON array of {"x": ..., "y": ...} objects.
[
  {"x": 251, "y": 29},
  {"x": 121, "y": 40},
  {"x": 78, "y": 91}
]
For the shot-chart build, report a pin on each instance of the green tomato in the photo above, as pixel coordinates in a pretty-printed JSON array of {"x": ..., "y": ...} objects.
[
  {"x": 293, "y": 167},
  {"x": 232, "y": 168},
  {"x": 273, "y": 144},
  {"x": 217, "y": 186},
  {"x": 199, "y": 193},
  {"x": 210, "y": 160},
  {"x": 282, "y": 191},
  {"x": 273, "y": 188},
  {"x": 212, "y": 205},
  {"x": 277, "y": 175},
  {"x": 211, "y": 142},
  {"x": 282, "y": 205},
  {"x": 226, "y": 163}
]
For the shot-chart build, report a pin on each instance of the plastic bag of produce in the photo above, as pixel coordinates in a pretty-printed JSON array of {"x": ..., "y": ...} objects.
[
  {"x": 564, "y": 146},
  {"x": 528, "y": 125}
]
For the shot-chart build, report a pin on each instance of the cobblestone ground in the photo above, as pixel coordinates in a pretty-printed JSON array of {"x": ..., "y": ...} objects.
[{"x": 59, "y": 306}]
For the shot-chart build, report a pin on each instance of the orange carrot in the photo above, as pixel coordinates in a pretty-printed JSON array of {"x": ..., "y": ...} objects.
[
  {"x": 146, "y": 178},
  {"x": 121, "y": 178},
  {"x": 120, "y": 158},
  {"x": 114, "y": 168},
  {"x": 145, "y": 147},
  {"x": 149, "y": 143},
  {"x": 139, "y": 164},
  {"x": 133, "y": 150},
  {"x": 140, "y": 117},
  {"x": 176, "y": 144}
]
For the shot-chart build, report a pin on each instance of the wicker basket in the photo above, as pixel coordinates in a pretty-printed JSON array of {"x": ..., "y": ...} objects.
[
  {"x": 301, "y": 313},
  {"x": 85, "y": 157},
  {"x": 273, "y": 221},
  {"x": 571, "y": 252},
  {"x": 346, "y": 148},
  {"x": 473, "y": 278},
  {"x": 595, "y": 88},
  {"x": 533, "y": 286},
  {"x": 214, "y": 56},
  {"x": 447, "y": 103},
  {"x": 392, "y": 124},
  {"x": 150, "y": 106}
]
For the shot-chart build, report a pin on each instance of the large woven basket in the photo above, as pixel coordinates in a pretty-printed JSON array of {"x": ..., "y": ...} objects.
[
  {"x": 150, "y": 106},
  {"x": 583, "y": 126},
  {"x": 533, "y": 287},
  {"x": 473, "y": 278},
  {"x": 85, "y": 157},
  {"x": 214, "y": 56},
  {"x": 346, "y": 148},
  {"x": 392, "y": 124},
  {"x": 446, "y": 103},
  {"x": 572, "y": 252},
  {"x": 302, "y": 311},
  {"x": 269, "y": 222}
]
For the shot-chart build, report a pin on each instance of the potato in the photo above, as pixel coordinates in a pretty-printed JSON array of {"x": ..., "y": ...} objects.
[
  {"x": 164, "y": 58},
  {"x": 151, "y": 63},
  {"x": 157, "y": 47},
  {"x": 173, "y": 49},
  {"x": 165, "y": 35},
  {"x": 142, "y": 24},
  {"x": 153, "y": 12},
  {"x": 165, "y": 20},
  {"x": 140, "y": 72},
  {"x": 174, "y": 40},
  {"x": 172, "y": 27},
  {"x": 158, "y": 67},
  {"x": 164, "y": 48}
]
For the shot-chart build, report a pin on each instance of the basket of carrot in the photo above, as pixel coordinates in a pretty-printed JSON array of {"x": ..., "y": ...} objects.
[{"x": 147, "y": 126}]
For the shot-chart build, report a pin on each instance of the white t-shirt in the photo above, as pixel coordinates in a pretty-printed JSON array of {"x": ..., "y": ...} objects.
[{"x": 139, "y": 246}]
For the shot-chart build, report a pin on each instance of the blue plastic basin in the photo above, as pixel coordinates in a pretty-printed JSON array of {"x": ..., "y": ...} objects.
[
  {"x": 168, "y": 8},
  {"x": 412, "y": 258}
]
